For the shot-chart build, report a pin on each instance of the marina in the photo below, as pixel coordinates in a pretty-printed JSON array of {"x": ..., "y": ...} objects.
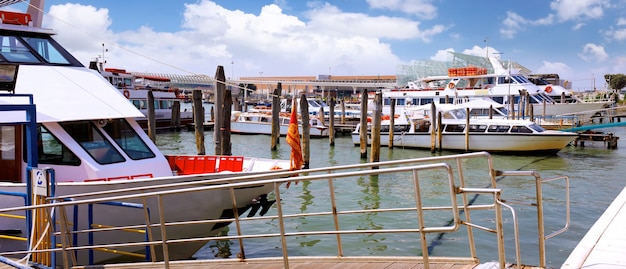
[{"x": 86, "y": 187}]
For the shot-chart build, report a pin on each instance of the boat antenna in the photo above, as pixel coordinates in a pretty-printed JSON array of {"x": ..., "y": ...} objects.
[{"x": 101, "y": 59}]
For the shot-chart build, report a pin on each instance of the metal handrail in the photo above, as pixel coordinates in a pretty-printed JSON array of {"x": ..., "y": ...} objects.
[{"x": 455, "y": 183}]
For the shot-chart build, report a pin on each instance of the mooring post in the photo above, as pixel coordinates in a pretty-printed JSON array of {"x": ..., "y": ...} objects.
[
  {"x": 331, "y": 122},
  {"x": 217, "y": 103},
  {"x": 198, "y": 116},
  {"x": 375, "y": 156},
  {"x": 276, "y": 117},
  {"x": 306, "y": 131},
  {"x": 392, "y": 122},
  {"x": 467, "y": 127},
  {"x": 363, "y": 125},
  {"x": 433, "y": 127},
  {"x": 175, "y": 119},
  {"x": 151, "y": 117},
  {"x": 225, "y": 126}
]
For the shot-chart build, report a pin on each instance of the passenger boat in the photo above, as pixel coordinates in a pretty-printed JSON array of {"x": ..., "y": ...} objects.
[
  {"x": 503, "y": 85},
  {"x": 71, "y": 130},
  {"x": 136, "y": 88},
  {"x": 494, "y": 135},
  {"x": 260, "y": 122}
]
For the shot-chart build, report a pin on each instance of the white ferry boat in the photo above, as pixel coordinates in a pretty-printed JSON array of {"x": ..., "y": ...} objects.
[
  {"x": 415, "y": 130},
  {"x": 68, "y": 124}
]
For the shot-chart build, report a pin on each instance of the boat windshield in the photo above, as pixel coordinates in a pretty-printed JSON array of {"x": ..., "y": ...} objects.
[
  {"x": 52, "y": 150},
  {"x": 39, "y": 49},
  {"x": 536, "y": 127},
  {"x": 127, "y": 139},
  {"x": 91, "y": 140}
]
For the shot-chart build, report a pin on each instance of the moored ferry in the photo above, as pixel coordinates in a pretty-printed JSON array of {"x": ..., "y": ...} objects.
[{"x": 75, "y": 133}]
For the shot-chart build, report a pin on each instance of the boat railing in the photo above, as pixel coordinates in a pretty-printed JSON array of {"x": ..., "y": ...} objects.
[{"x": 440, "y": 188}]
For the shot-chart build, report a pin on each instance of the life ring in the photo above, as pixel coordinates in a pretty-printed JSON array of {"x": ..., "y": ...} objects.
[
  {"x": 126, "y": 94},
  {"x": 450, "y": 85},
  {"x": 548, "y": 89}
]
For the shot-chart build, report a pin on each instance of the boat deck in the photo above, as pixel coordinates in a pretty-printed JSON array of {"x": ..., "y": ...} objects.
[{"x": 604, "y": 244}]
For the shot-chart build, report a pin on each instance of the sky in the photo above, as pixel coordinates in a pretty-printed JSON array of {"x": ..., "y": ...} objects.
[{"x": 581, "y": 40}]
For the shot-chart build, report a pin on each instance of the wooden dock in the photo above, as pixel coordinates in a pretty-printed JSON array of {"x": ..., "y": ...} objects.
[{"x": 604, "y": 244}]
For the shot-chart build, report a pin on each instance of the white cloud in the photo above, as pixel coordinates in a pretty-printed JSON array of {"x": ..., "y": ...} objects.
[
  {"x": 482, "y": 52},
  {"x": 562, "y": 69},
  {"x": 578, "y": 26},
  {"x": 272, "y": 41},
  {"x": 593, "y": 53},
  {"x": 421, "y": 8},
  {"x": 442, "y": 55},
  {"x": 579, "y": 9},
  {"x": 514, "y": 23},
  {"x": 621, "y": 21}
]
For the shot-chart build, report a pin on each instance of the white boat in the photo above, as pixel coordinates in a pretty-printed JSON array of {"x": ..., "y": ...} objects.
[
  {"x": 496, "y": 82},
  {"x": 493, "y": 135},
  {"x": 136, "y": 88},
  {"x": 68, "y": 119},
  {"x": 260, "y": 122}
]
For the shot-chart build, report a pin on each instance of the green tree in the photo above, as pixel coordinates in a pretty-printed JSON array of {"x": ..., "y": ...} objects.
[{"x": 615, "y": 81}]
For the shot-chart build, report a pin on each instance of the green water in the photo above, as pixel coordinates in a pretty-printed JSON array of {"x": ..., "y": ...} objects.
[{"x": 595, "y": 174}]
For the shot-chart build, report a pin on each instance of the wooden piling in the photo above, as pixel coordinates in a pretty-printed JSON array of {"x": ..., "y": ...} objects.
[
  {"x": 331, "y": 122},
  {"x": 433, "y": 127},
  {"x": 225, "y": 126},
  {"x": 363, "y": 125},
  {"x": 343, "y": 111},
  {"x": 213, "y": 113},
  {"x": 467, "y": 125},
  {"x": 276, "y": 117},
  {"x": 306, "y": 131},
  {"x": 375, "y": 155},
  {"x": 151, "y": 117},
  {"x": 392, "y": 121},
  {"x": 490, "y": 111},
  {"x": 175, "y": 119},
  {"x": 217, "y": 103},
  {"x": 198, "y": 117},
  {"x": 440, "y": 130},
  {"x": 512, "y": 107}
]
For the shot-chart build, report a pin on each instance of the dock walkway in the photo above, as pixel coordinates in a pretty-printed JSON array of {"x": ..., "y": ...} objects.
[{"x": 604, "y": 244}]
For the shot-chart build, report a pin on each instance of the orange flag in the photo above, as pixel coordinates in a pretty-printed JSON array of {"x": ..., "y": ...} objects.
[{"x": 293, "y": 139}]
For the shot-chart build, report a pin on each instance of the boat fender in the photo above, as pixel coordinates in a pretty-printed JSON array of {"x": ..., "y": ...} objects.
[
  {"x": 548, "y": 89},
  {"x": 126, "y": 94},
  {"x": 450, "y": 85}
]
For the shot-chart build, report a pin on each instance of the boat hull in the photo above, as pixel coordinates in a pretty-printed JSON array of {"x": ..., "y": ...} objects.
[
  {"x": 549, "y": 142},
  {"x": 239, "y": 127},
  {"x": 189, "y": 206}
]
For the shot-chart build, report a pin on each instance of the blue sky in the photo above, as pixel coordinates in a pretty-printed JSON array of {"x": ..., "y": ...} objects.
[{"x": 578, "y": 39}]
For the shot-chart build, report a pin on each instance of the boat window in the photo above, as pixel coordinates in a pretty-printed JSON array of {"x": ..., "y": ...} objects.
[
  {"x": 425, "y": 101},
  {"x": 498, "y": 129},
  {"x": 91, "y": 140},
  {"x": 46, "y": 50},
  {"x": 51, "y": 150},
  {"x": 521, "y": 79},
  {"x": 13, "y": 50},
  {"x": 455, "y": 128},
  {"x": 37, "y": 48},
  {"x": 536, "y": 127},
  {"x": 477, "y": 128},
  {"x": 128, "y": 140},
  {"x": 521, "y": 129},
  {"x": 422, "y": 126}
]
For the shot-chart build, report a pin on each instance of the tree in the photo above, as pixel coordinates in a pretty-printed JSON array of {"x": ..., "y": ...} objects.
[{"x": 615, "y": 81}]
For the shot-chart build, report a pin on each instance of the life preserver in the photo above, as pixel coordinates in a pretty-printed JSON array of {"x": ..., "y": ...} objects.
[
  {"x": 450, "y": 85},
  {"x": 126, "y": 94},
  {"x": 548, "y": 89}
]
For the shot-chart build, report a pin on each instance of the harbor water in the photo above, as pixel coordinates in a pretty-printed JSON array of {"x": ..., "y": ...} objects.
[{"x": 595, "y": 175}]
